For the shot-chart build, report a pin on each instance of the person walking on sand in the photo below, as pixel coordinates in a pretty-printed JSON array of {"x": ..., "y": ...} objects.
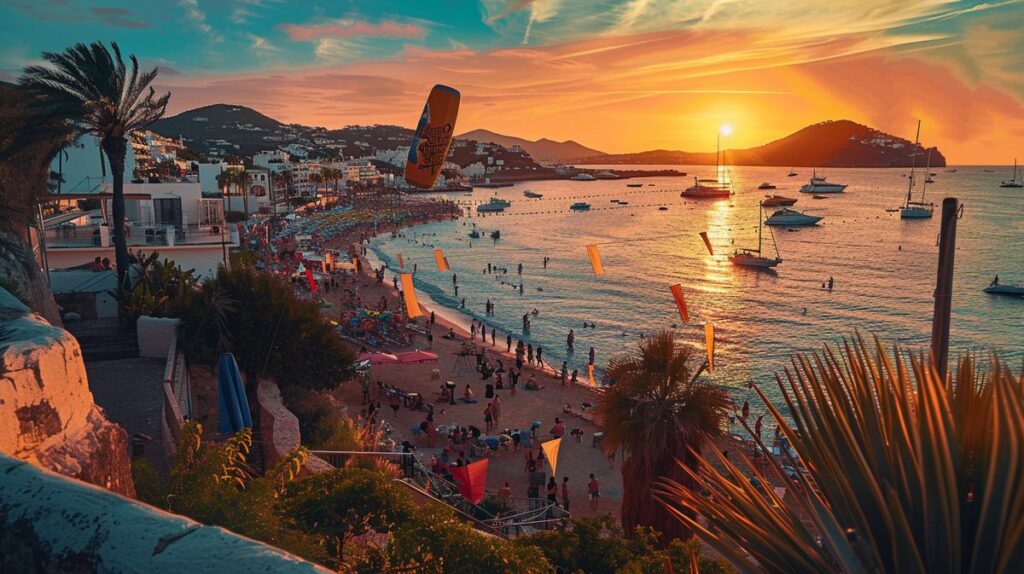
[
  {"x": 472, "y": 329},
  {"x": 496, "y": 410},
  {"x": 513, "y": 381},
  {"x": 540, "y": 351},
  {"x": 565, "y": 372},
  {"x": 508, "y": 343},
  {"x": 565, "y": 493},
  {"x": 529, "y": 353},
  {"x": 593, "y": 491},
  {"x": 494, "y": 336},
  {"x": 757, "y": 427},
  {"x": 570, "y": 340},
  {"x": 552, "y": 490},
  {"x": 488, "y": 418}
]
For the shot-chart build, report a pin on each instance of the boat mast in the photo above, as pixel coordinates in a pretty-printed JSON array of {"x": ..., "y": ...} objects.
[
  {"x": 913, "y": 163},
  {"x": 760, "y": 217}
]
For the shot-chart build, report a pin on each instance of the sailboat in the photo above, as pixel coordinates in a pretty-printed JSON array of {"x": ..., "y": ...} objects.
[
  {"x": 1017, "y": 180},
  {"x": 752, "y": 257},
  {"x": 917, "y": 209},
  {"x": 718, "y": 187}
]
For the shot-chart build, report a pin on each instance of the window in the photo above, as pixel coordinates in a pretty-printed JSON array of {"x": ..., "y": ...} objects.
[{"x": 168, "y": 211}]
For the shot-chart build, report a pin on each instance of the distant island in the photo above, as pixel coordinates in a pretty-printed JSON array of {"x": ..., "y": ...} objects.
[
  {"x": 223, "y": 130},
  {"x": 840, "y": 143}
]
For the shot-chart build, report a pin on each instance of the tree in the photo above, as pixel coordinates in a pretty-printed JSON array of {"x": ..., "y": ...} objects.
[
  {"x": 655, "y": 411},
  {"x": 898, "y": 469},
  {"x": 103, "y": 96}
]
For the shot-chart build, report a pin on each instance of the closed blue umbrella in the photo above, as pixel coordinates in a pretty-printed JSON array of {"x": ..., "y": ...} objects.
[{"x": 232, "y": 405}]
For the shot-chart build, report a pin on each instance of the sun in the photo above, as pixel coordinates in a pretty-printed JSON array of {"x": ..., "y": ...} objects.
[{"x": 725, "y": 130}]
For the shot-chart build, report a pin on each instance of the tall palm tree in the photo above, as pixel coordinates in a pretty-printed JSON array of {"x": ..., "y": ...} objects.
[
  {"x": 317, "y": 178},
  {"x": 103, "y": 96},
  {"x": 907, "y": 470},
  {"x": 656, "y": 411},
  {"x": 241, "y": 181}
]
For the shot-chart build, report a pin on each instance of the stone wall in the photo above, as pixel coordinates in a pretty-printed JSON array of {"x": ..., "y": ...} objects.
[
  {"x": 49, "y": 523},
  {"x": 47, "y": 413},
  {"x": 280, "y": 428}
]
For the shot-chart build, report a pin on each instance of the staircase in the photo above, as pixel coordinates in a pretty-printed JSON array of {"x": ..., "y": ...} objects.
[{"x": 104, "y": 339}]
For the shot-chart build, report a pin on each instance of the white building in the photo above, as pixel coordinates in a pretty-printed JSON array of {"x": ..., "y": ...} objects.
[{"x": 273, "y": 160}]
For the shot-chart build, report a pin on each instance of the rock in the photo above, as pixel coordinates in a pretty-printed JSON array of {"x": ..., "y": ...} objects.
[
  {"x": 280, "y": 428},
  {"x": 47, "y": 413}
]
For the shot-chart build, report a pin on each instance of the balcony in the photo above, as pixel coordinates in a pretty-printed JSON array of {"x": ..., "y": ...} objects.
[{"x": 69, "y": 235}]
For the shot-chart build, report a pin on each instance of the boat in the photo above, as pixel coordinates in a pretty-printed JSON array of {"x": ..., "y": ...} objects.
[
  {"x": 580, "y": 206},
  {"x": 787, "y": 216},
  {"x": 819, "y": 185},
  {"x": 1009, "y": 290},
  {"x": 605, "y": 175},
  {"x": 581, "y": 176},
  {"x": 662, "y": 208},
  {"x": 474, "y": 234},
  {"x": 531, "y": 194},
  {"x": 1017, "y": 180},
  {"x": 917, "y": 209},
  {"x": 929, "y": 180},
  {"x": 623, "y": 203},
  {"x": 816, "y": 196},
  {"x": 766, "y": 185},
  {"x": 634, "y": 185},
  {"x": 745, "y": 257},
  {"x": 951, "y": 170},
  {"x": 613, "y": 201},
  {"x": 496, "y": 234},
  {"x": 777, "y": 201},
  {"x": 792, "y": 174},
  {"x": 711, "y": 188},
  {"x": 493, "y": 206}
]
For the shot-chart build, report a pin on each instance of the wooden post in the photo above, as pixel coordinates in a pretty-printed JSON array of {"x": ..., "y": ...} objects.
[{"x": 944, "y": 284}]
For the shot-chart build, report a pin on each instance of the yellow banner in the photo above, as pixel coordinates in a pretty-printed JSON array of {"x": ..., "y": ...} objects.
[
  {"x": 709, "y": 342},
  {"x": 551, "y": 453},
  {"x": 412, "y": 308},
  {"x": 590, "y": 375},
  {"x": 595, "y": 259},
  {"x": 442, "y": 261}
]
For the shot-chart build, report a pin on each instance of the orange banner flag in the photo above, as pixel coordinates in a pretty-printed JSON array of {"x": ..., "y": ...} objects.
[
  {"x": 401, "y": 261},
  {"x": 472, "y": 480},
  {"x": 442, "y": 261},
  {"x": 595, "y": 259},
  {"x": 412, "y": 307},
  {"x": 709, "y": 342},
  {"x": 590, "y": 375},
  {"x": 551, "y": 453},
  {"x": 677, "y": 294},
  {"x": 429, "y": 148},
  {"x": 704, "y": 236}
]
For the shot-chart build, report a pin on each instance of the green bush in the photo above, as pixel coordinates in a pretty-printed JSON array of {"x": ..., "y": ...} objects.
[
  {"x": 149, "y": 487},
  {"x": 160, "y": 289},
  {"x": 320, "y": 425},
  {"x": 257, "y": 316}
]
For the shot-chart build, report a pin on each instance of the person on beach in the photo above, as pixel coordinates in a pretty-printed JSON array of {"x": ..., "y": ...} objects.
[
  {"x": 488, "y": 418},
  {"x": 593, "y": 491},
  {"x": 496, "y": 410},
  {"x": 430, "y": 339},
  {"x": 455, "y": 279},
  {"x": 520, "y": 288},
  {"x": 565, "y": 372},
  {"x": 504, "y": 494},
  {"x": 467, "y": 396},
  {"x": 552, "y": 490},
  {"x": 513, "y": 381},
  {"x": 591, "y": 355},
  {"x": 565, "y": 493},
  {"x": 508, "y": 343},
  {"x": 520, "y": 268},
  {"x": 559, "y": 429},
  {"x": 472, "y": 329},
  {"x": 540, "y": 351},
  {"x": 531, "y": 384},
  {"x": 494, "y": 336},
  {"x": 570, "y": 340},
  {"x": 746, "y": 410},
  {"x": 757, "y": 427},
  {"x": 528, "y": 461},
  {"x": 529, "y": 353},
  {"x": 575, "y": 373}
]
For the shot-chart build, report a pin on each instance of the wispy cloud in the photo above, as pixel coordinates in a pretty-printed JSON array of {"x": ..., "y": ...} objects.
[
  {"x": 352, "y": 29},
  {"x": 197, "y": 17},
  {"x": 120, "y": 17}
]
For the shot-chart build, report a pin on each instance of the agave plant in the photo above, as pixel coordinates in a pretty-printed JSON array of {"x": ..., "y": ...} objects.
[{"x": 906, "y": 471}]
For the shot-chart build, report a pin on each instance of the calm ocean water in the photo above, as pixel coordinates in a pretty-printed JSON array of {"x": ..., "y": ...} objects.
[{"x": 884, "y": 268}]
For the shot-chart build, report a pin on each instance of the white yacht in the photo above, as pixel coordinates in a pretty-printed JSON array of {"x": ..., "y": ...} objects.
[
  {"x": 1017, "y": 180},
  {"x": 493, "y": 206},
  {"x": 787, "y": 216},
  {"x": 532, "y": 194},
  {"x": 581, "y": 176},
  {"x": 917, "y": 209},
  {"x": 719, "y": 187},
  {"x": 819, "y": 185}
]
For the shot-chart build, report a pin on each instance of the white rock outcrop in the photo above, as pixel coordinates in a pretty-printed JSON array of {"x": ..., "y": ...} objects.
[{"x": 47, "y": 413}]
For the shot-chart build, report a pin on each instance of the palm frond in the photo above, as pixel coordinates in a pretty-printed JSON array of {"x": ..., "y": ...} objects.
[{"x": 906, "y": 471}]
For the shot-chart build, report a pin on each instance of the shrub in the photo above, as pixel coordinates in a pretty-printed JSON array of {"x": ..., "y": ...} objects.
[{"x": 273, "y": 333}]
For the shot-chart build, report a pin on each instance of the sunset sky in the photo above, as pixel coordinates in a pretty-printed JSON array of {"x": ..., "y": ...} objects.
[{"x": 618, "y": 76}]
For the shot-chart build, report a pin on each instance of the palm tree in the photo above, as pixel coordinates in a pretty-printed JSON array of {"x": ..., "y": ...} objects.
[
  {"x": 317, "y": 178},
  {"x": 241, "y": 181},
  {"x": 906, "y": 470},
  {"x": 655, "y": 411},
  {"x": 103, "y": 96}
]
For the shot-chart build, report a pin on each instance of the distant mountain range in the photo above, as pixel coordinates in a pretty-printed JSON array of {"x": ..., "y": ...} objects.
[
  {"x": 224, "y": 129},
  {"x": 541, "y": 150},
  {"x": 840, "y": 143}
]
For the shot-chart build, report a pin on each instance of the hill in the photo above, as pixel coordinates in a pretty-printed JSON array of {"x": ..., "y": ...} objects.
[
  {"x": 541, "y": 150},
  {"x": 840, "y": 143}
]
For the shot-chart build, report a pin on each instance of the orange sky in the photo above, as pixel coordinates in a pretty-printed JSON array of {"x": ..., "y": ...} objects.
[{"x": 631, "y": 89}]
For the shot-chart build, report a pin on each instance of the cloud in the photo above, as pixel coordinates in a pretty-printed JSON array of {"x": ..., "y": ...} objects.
[
  {"x": 195, "y": 15},
  {"x": 507, "y": 7},
  {"x": 352, "y": 29},
  {"x": 540, "y": 11},
  {"x": 120, "y": 17},
  {"x": 261, "y": 45}
]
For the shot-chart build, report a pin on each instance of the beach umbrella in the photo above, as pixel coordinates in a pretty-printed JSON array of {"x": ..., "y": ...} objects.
[
  {"x": 379, "y": 358},
  {"x": 595, "y": 259},
  {"x": 433, "y": 136},
  {"x": 412, "y": 307},
  {"x": 442, "y": 261},
  {"x": 472, "y": 479},
  {"x": 232, "y": 404},
  {"x": 550, "y": 449},
  {"x": 417, "y": 356},
  {"x": 677, "y": 294}
]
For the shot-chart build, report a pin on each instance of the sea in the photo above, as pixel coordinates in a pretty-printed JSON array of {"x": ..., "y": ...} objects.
[{"x": 883, "y": 268}]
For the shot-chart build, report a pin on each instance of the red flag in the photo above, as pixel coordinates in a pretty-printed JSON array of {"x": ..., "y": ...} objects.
[
  {"x": 309, "y": 277},
  {"x": 401, "y": 262},
  {"x": 677, "y": 294},
  {"x": 704, "y": 236},
  {"x": 472, "y": 480}
]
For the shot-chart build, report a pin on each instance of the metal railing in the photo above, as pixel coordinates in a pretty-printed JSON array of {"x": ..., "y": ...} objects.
[
  {"x": 177, "y": 406},
  {"x": 64, "y": 236}
]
